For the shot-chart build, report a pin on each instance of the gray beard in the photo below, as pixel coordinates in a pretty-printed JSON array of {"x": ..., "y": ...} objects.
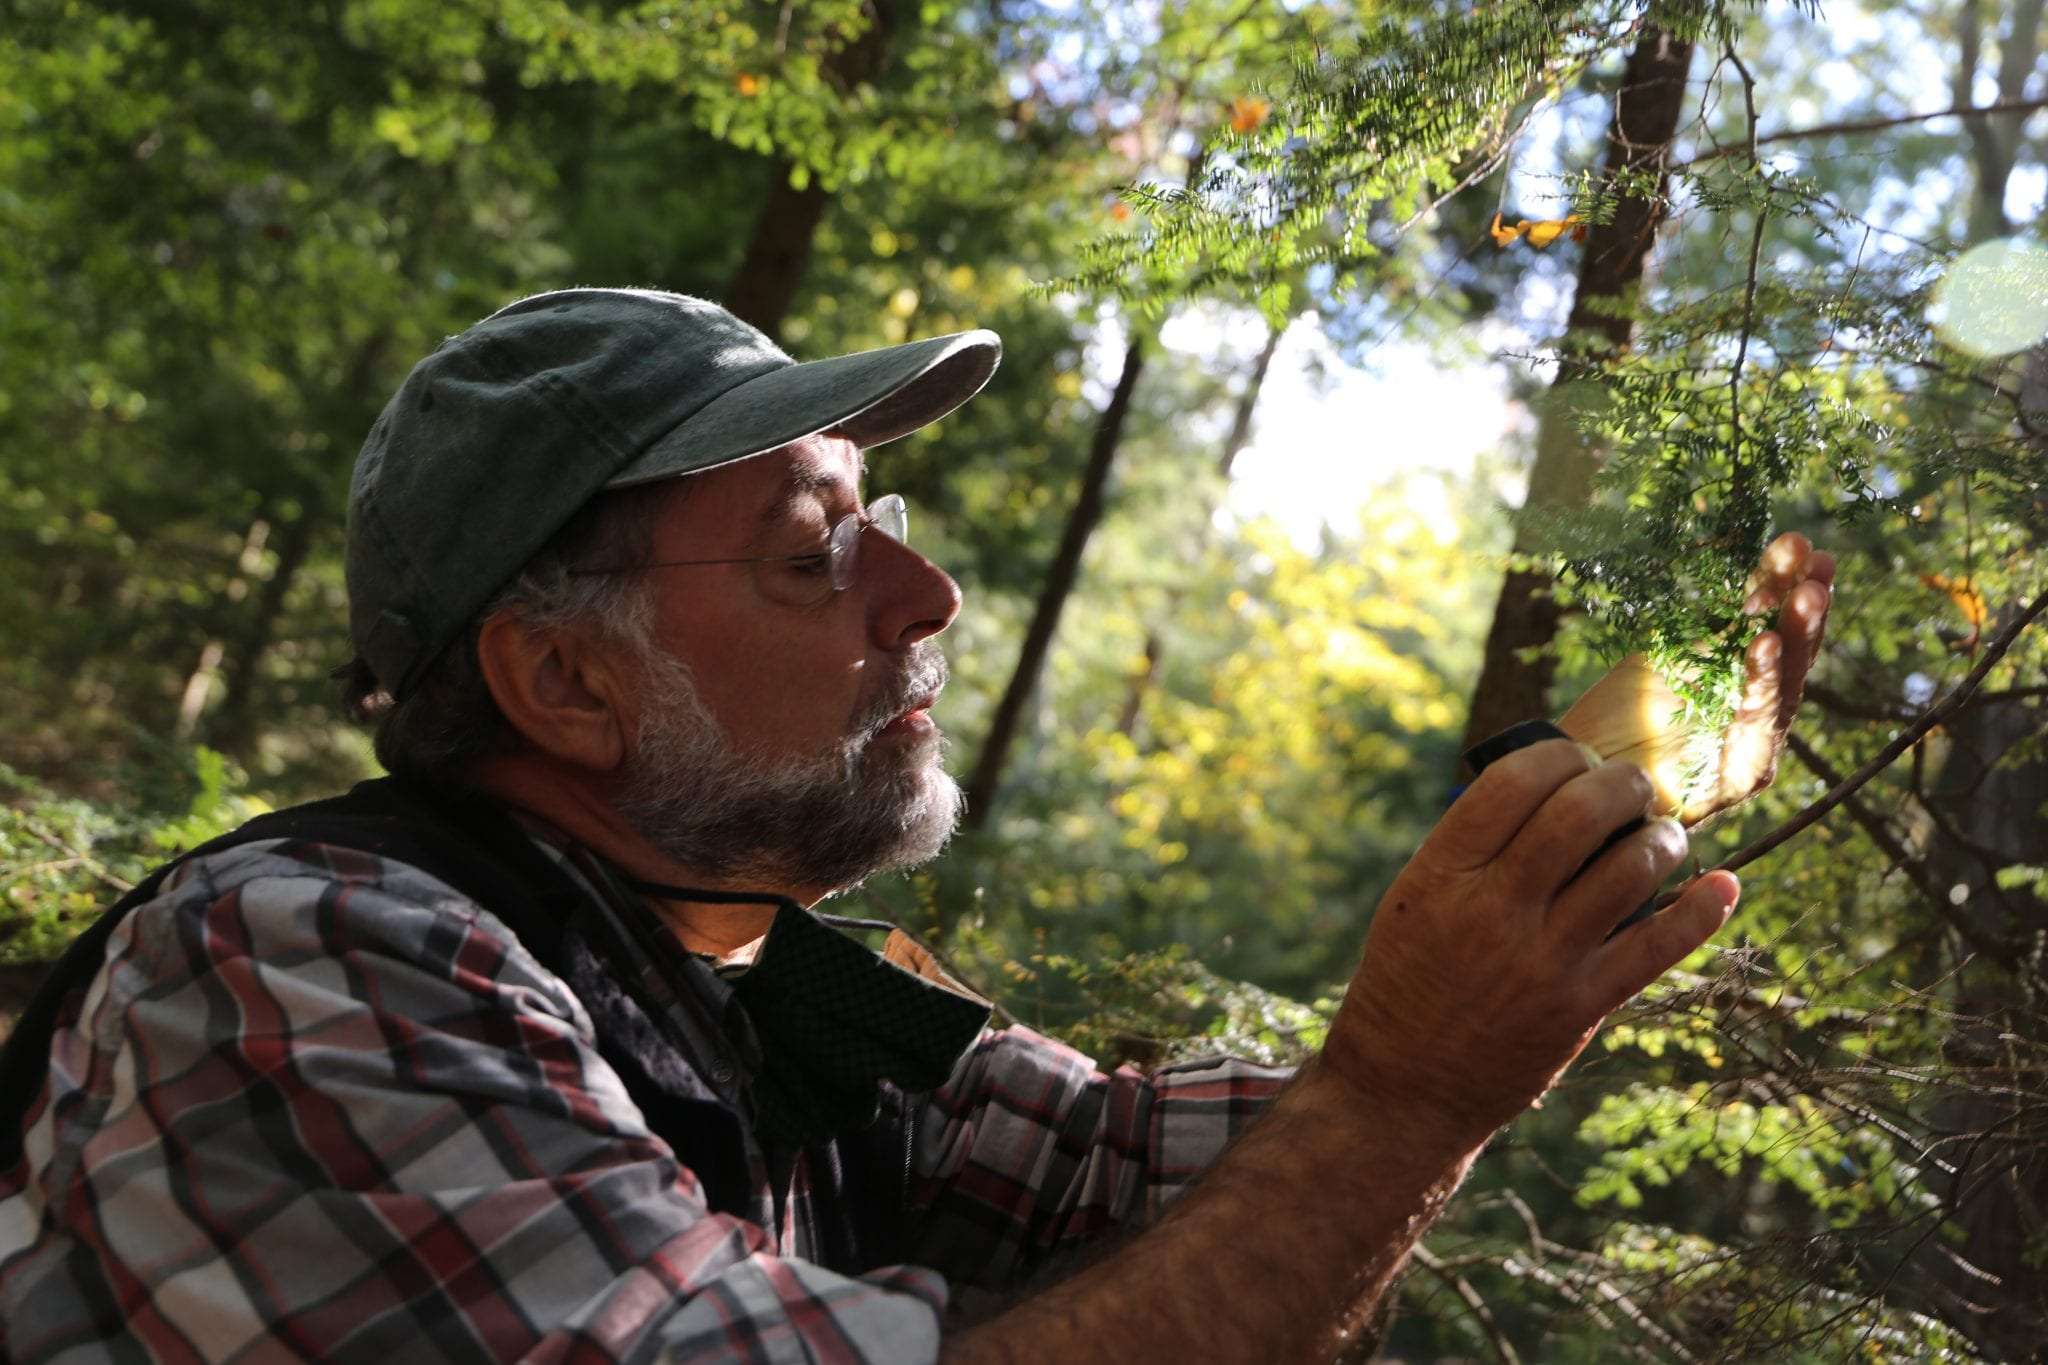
[{"x": 830, "y": 821}]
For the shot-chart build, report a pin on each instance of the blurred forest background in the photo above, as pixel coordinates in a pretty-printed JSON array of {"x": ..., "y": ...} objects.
[{"x": 1302, "y": 465}]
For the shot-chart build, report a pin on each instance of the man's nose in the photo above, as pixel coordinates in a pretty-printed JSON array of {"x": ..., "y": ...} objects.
[{"x": 909, "y": 597}]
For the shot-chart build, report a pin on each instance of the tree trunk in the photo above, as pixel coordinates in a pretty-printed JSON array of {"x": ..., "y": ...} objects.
[
  {"x": 1233, "y": 445},
  {"x": 777, "y": 253},
  {"x": 1247, "y": 403},
  {"x": 1995, "y": 138},
  {"x": 1514, "y": 680},
  {"x": 1059, "y": 585},
  {"x": 235, "y": 723},
  {"x": 198, "y": 689},
  {"x": 779, "y": 250}
]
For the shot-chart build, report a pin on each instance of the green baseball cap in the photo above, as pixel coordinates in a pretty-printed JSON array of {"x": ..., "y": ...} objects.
[{"x": 496, "y": 440}]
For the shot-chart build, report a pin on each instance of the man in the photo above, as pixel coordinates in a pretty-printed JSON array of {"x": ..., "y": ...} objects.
[{"x": 537, "y": 1052}]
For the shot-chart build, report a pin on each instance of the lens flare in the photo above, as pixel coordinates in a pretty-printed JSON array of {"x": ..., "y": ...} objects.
[{"x": 1994, "y": 299}]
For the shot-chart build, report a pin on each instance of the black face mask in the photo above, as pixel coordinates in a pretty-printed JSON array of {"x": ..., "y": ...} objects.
[{"x": 835, "y": 1020}]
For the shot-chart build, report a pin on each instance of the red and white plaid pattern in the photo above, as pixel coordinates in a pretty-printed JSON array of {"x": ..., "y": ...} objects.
[{"x": 318, "y": 1104}]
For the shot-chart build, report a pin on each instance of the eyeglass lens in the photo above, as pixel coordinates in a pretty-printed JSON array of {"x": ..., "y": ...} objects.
[{"x": 886, "y": 514}]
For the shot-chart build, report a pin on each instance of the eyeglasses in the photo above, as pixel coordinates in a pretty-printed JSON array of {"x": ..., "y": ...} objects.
[{"x": 808, "y": 578}]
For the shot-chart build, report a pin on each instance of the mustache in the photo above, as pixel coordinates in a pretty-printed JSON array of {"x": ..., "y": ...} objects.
[{"x": 924, "y": 674}]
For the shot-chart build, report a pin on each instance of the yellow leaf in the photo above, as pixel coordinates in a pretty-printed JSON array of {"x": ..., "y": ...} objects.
[{"x": 1541, "y": 234}]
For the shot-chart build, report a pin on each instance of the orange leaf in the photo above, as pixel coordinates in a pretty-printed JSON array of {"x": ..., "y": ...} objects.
[
  {"x": 747, "y": 84},
  {"x": 1120, "y": 211},
  {"x": 1540, "y": 232},
  {"x": 1967, "y": 600},
  {"x": 1248, "y": 112}
]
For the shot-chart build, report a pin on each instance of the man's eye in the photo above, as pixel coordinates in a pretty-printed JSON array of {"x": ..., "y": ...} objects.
[{"x": 811, "y": 565}]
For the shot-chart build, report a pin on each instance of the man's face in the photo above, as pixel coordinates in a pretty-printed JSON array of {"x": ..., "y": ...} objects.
[{"x": 782, "y": 737}]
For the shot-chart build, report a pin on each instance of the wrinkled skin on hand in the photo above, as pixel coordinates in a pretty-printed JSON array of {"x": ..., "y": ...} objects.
[
  {"x": 1632, "y": 714},
  {"x": 1488, "y": 966}
]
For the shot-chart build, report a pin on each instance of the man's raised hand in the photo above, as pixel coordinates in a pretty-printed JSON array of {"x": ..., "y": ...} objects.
[
  {"x": 1632, "y": 714},
  {"x": 1488, "y": 966}
]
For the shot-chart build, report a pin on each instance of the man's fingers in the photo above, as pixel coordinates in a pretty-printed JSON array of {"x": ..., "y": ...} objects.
[
  {"x": 1570, "y": 827},
  {"x": 1763, "y": 677},
  {"x": 1784, "y": 564},
  {"x": 1804, "y": 618},
  {"x": 1617, "y": 882},
  {"x": 1803, "y": 624},
  {"x": 1500, "y": 800},
  {"x": 1643, "y": 952}
]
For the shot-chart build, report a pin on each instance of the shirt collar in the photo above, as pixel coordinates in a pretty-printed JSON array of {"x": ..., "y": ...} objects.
[{"x": 801, "y": 1037}]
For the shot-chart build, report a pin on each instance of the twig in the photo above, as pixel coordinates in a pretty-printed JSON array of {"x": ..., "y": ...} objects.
[
  {"x": 1832, "y": 701},
  {"x": 92, "y": 864},
  {"x": 1550, "y": 1279},
  {"x": 1756, "y": 247},
  {"x": 1888, "y": 755},
  {"x": 1608, "y": 1292},
  {"x": 2011, "y": 694},
  {"x": 1835, "y": 323},
  {"x": 1868, "y": 125},
  {"x": 1503, "y": 1350},
  {"x": 47, "y": 865}
]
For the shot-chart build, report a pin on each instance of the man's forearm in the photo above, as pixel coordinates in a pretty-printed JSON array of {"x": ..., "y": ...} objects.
[
  {"x": 1290, "y": 1240},
  {"x": 1488, "y": 967}
]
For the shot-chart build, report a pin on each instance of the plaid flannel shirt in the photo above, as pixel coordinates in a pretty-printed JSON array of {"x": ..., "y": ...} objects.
[{"x": 318, "y": 1104}]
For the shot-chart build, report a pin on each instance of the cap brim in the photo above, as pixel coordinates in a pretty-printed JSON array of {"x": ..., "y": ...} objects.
[{"x": 871, "y": 396}]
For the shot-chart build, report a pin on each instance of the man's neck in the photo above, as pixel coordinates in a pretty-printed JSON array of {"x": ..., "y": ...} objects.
[{"x": 578, "y": 805}]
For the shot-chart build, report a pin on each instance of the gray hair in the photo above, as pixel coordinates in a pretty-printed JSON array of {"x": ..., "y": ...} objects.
[{"x": 448, "y": 720}]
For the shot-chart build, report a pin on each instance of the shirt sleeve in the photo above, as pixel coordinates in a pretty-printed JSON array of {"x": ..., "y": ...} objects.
[
  {"x": 1029, "y": 1150},
  {"x": 319, "y": 1105}
]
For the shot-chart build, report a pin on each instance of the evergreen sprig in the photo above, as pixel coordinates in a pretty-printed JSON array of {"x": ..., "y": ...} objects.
[{"x": 1359, "y": 136}]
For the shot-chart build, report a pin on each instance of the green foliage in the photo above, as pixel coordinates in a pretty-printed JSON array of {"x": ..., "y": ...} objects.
[
  {"x": 1160, "y": 1007},
  {"x": 1653, "y": 1135},
  {"x": 64, "y": 858}
]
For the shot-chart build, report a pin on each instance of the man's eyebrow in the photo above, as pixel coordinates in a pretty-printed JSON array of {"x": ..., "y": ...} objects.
[{"x": 801, "y": 481}]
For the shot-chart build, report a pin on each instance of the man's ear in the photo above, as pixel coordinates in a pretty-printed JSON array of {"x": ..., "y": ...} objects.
[{"x": 560, "y": 689}]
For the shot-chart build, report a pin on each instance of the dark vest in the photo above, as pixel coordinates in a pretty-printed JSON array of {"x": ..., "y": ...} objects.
[{"x": 859, "y": 1181}]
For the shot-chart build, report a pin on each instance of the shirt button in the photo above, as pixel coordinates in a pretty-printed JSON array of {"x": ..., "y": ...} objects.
[{"x": 721, "y": 1072}]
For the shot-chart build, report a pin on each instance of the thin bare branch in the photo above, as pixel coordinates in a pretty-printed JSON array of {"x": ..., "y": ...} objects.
[
  {"x": 1756, "y": 247},
  {"x": 1503, "y": 1349},
  {"x": 1867, "y": 125}
]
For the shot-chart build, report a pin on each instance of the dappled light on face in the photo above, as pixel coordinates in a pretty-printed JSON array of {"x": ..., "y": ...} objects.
[{"x": 1993, "y": 300}]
